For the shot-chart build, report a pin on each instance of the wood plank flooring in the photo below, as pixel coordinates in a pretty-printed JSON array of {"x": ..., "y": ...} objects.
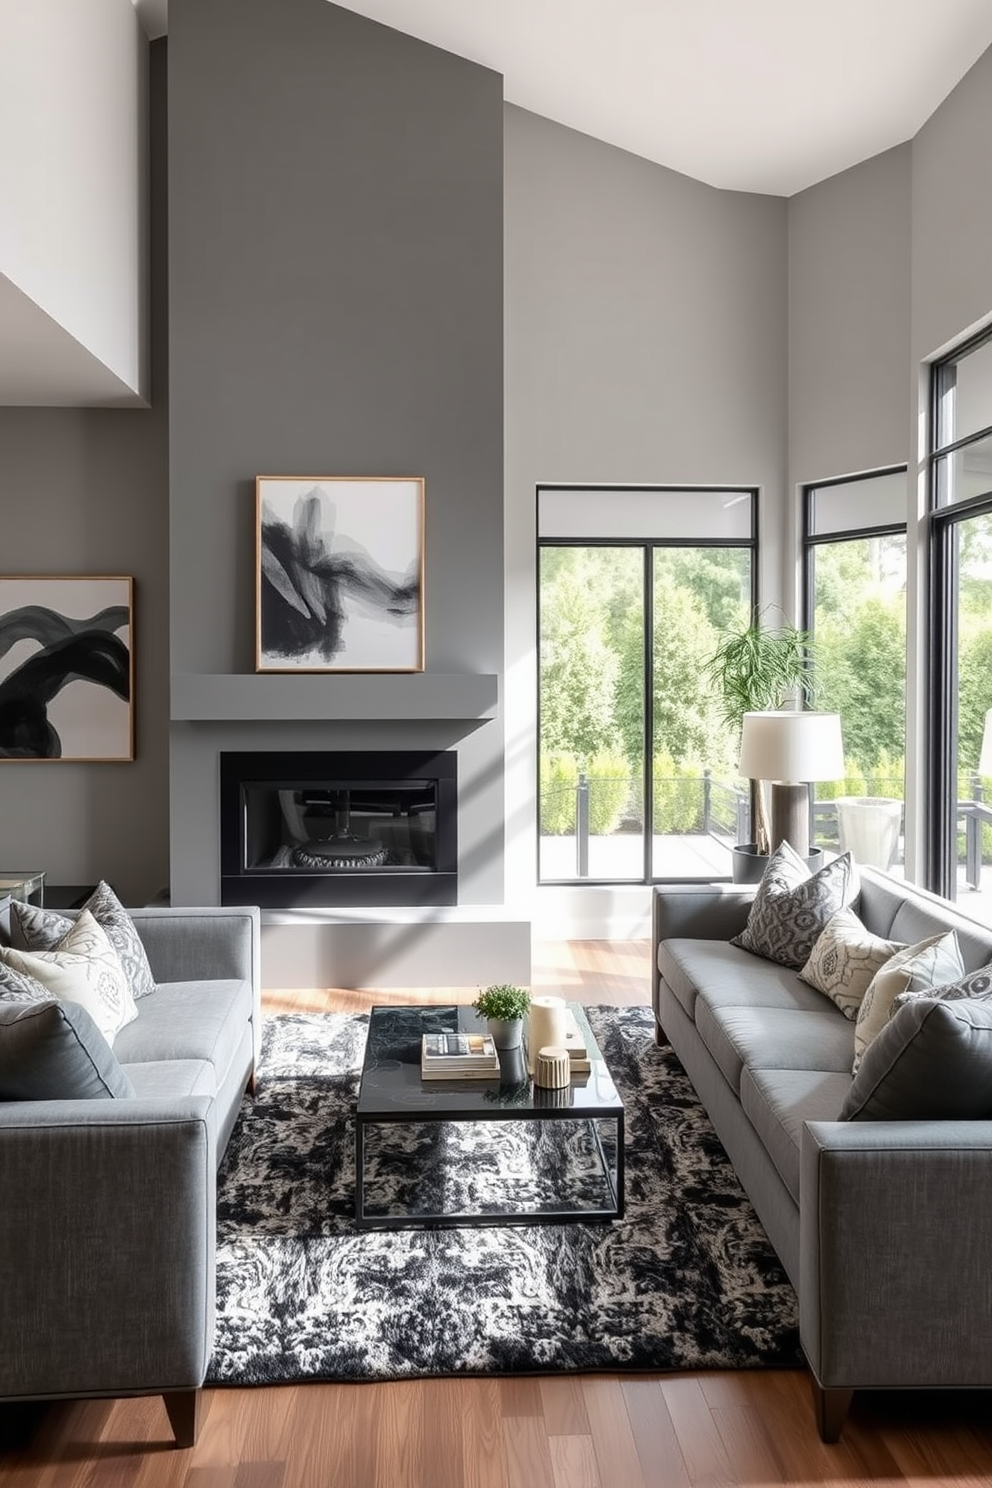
[{"x": 588, "y": 1431}]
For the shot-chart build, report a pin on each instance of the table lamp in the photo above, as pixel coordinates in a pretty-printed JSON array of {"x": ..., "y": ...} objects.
[{"x": 790, "y": 749}]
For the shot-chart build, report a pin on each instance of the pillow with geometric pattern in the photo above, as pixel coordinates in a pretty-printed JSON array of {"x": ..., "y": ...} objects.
[
  {"x": 34, "y": 929},
  {"x": 975, "y": 985},
  {"x": 844, "y": 960},
  {"x": 792, "y": 907}
]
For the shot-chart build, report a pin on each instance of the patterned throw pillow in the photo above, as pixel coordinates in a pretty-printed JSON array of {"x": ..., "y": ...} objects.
[
  {"x": 975, "y": 985},
  {"x": 792, "y": 906},
  {"x": 15, "y": 986},
  {"x": 930, "y": 963},
  {"x": 34, "y": 929},
  {"x": 844, "y": 960},
  {"x": 85, "y": 969}
]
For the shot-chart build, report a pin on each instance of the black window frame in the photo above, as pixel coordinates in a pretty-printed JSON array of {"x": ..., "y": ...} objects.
[{"x": 648, "y": 545}]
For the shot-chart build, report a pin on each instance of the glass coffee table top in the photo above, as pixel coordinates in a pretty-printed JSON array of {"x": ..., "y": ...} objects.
[
  {"x": 392, "y": 1087},
  {"x": 480, "y": 1152}
]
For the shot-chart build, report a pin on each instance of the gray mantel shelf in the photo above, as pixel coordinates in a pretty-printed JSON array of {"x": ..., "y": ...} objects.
[{"x": 225, "y": 697}]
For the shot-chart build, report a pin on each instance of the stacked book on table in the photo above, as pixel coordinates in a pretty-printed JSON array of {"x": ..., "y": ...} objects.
[{"x": 458, "y": 1056}]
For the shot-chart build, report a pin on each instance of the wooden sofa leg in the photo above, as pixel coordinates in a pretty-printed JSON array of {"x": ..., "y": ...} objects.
[
  {"x": 660, "y": 1036},
  {"x": 831, "y": 1408},
  {"x": 183, "y": 1407}
]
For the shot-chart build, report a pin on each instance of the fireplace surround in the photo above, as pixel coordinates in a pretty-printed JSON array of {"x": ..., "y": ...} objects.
[{"x": 333, "y": 829}]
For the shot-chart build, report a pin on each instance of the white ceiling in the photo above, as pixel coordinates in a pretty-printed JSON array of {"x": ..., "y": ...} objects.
[{"x": 749, "y": 95}]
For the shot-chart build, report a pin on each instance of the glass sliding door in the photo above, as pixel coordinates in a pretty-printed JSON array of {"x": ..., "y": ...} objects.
[
  {"x": 855, "y": 572},
  {"x": 637, "y": 772}
]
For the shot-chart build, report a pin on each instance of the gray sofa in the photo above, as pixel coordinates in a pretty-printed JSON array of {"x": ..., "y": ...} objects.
[
  {"x": 884, "y": 1228},
  {"x": 107, "y": 1224}
]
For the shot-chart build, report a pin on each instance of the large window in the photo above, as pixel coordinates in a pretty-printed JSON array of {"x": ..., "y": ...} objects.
[
  {"x": 960, "y": 753},
  {"x": 637, "y": 772},
  {"x": 855, "y": 570}
]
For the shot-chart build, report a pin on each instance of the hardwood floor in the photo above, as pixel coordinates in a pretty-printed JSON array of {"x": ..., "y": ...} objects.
[{"x": 588, "y": 1431}]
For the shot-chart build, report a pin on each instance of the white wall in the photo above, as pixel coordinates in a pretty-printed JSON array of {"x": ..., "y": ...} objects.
[{"x": 73, "y": 210}]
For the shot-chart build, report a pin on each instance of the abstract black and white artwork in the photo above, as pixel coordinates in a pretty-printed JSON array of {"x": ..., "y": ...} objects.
[
  {"x": 66, "y": 668},
  {"x": 340, "y": 564}
]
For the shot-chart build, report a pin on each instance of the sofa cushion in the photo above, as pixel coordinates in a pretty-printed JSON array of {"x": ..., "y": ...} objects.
[
  {"x": 54, "y": 1051},
  {"x": 931, "y": 963},
  {"x": 931, "y": 1062},
  {"x": 169, "y": 1079},
  {"x": 189, "y": 1020},
  {"x": 774, "y": 1038},
  {"x": 34, "y": 929},
  {"x": 83, "y": 967},
  {"x": 844, "y": 959},
  {"x": 729, "y": 975},
  {"x": 777, "y": 1102},
  {"x": 793, "y": 906}
]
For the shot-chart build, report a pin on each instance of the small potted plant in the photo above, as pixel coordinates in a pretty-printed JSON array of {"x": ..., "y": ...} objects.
[{"x": 504, "y": 1007}]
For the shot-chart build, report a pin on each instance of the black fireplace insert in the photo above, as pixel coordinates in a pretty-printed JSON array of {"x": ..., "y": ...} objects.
[{"x": 320, "y": 830}]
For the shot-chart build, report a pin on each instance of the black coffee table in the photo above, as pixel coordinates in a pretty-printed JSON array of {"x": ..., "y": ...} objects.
[{"x": 392, "y": 1094}]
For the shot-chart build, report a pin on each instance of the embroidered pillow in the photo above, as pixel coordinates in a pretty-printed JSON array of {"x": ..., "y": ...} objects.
[
  {"x": 844, "y": 960},
  {"x": 931, "y": 1062},
  {"x": 54, "y": 1051},
  {"x": 34, "y": 929},
  {"x": 84, "y": 969},
  {"x": 16, "y": 986},
  {"x": 930, "y": 963},
  {"x": 792, "y": 906},
  {"x": 974, "y": 985}
]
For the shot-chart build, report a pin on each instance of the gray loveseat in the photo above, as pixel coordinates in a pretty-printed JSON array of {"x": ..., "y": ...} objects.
[
  {"x": 107, "y": 1224},
  {"x": 884, "y": 1227}
]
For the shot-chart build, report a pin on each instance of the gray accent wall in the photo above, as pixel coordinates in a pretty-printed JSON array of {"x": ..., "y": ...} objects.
[
  {"x": 336, "y": 294},
  {"x": 849, "y": 334},
  {"x": 646, "y": 343},
  {"x": 85, "y": 491}
]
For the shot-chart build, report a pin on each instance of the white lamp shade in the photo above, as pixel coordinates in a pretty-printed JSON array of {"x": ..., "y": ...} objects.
[
  {"x": 791, "y": 746},
  {"x": 985, "y": 758}
]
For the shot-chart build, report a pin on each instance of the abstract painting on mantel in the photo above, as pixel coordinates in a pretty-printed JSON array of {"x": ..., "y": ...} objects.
[
  {"x": 339, "y": 574},
  {"x": 66, "y": 668}
]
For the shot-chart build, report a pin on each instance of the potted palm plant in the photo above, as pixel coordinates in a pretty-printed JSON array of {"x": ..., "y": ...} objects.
[
  {"x": 504, "y": 1008},
  {"x": 757, "y": 669}
]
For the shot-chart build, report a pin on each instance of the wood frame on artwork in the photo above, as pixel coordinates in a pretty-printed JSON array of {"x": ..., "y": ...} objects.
[
  {"x": 66, "y": 668},
  {"x": 339, "y": 573}
]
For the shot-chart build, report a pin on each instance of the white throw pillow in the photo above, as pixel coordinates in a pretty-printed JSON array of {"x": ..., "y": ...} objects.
[
  {"x": 84, "y": 968},
  {"x": 845, "y": 959},
  {"x": 929, "y": 963}
]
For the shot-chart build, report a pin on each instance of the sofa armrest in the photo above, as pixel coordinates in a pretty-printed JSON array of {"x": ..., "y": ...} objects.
[
  {"x": 203, "y": 945},
  {"x": 107, "y": 1243},
  {"x": 895, "y": 1237},
  {"x": 696, "y": 912}
]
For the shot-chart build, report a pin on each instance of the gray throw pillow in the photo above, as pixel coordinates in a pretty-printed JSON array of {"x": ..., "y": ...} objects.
[
  {"x": 931, "y": 1062},
  {"x": 54, "y": 1051},
  {"x": 34, "y": 929},
  {"x": 792, "y": 907}
]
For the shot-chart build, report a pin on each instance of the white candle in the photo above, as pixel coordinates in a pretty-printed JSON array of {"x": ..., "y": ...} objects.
[{"x": 547, "y": 1025}]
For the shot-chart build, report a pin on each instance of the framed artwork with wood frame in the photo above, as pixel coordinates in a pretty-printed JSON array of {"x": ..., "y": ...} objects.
[
  {"x": 66, "y": 668},
  {"x": 339, "y": 573}
]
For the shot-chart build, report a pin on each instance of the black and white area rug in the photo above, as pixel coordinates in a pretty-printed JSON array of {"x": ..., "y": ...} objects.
[{"x": 687, "y": 1280}]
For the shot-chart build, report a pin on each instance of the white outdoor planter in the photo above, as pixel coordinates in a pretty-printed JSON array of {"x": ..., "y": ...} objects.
[{"x": 869, "y": 828}]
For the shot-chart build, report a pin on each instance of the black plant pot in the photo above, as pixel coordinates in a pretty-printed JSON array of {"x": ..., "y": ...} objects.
[{"x": 749, "y": 865}]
